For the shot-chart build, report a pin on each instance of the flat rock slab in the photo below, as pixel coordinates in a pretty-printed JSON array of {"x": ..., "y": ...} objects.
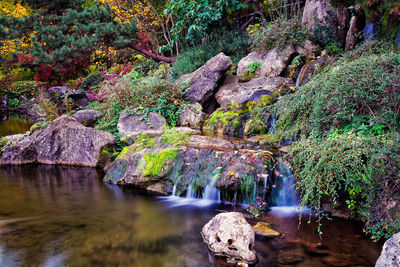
[
  {"x": 265, "y": 229},
  {"x": 234, "y": 92},
  {"x": 130, "y": 125},
  {"x": 64, "y": 141}
]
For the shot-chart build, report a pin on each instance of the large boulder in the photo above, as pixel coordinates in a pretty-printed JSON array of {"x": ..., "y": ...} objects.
[
  {"x": 234, "y": 92},
  {"x": 390, "y": 255},
  {"x": 141, "y": 123},
  {"x": 201, "y": 83},
  {"x": 176, "y": 159},
  {"x": 63, "y": 141},
  {"x": 325, "y": 21},
  {"x": 191, "y": 116},
  {"x": 275, "y": 61},
  {"x": 229, "y": 234},
  {"x": 87, "y": 117}
]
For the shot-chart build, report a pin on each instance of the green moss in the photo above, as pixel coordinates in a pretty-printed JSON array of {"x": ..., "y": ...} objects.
[
  {"x": 38, "y": 126},
  {"x": 155, "y": 163},
  {"x": 236, "y": 124},
  {"x": 174, "y": 137},
  {"x": 142, "y": 142},
  {"x": 3, "y": 143}
]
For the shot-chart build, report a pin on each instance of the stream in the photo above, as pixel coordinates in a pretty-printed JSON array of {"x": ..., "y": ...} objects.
[{"x": 67, "y": 216}]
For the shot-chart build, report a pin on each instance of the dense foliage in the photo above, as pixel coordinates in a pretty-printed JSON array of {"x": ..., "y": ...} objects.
[
  {"x": 347, "y": 119},
  {"x": 359, "y": 90}
]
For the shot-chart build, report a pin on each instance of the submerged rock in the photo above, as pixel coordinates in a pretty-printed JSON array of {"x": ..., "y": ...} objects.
[
  {"x": 136, "y": 124},
  {"x": 265, "y": 229},
  {"x": 390, "y": 255},
  {"x": 200, "y": 84},
  {"x": 63, "y": 141},
  {"x": 230, "y": 235}
]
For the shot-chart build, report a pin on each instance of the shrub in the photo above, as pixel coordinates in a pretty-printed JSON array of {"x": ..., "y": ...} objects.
[
  {"x": 91, "y": 81},
  {"x": 254, "y": 66},
  {"x": 233, "y": 44},
  {"x": 360, "y": 89},
  {"x": 278, "y": 34},
  {"x": 143, "y": 95},
  {"x": 361, "y": 169}
]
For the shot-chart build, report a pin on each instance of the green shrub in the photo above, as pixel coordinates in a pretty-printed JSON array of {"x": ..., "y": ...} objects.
[
  {"x": 362, "y": 89},
  {"x": 278, "y": 34},
  {"x": 363, "y": 170},
  {"x": 233, "y": 44},
  {"x": 92, "y": 80},
  {"x": 254, "y": 66}
]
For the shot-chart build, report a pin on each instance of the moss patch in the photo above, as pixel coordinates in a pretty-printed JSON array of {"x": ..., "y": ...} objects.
[{"x": 156, "y": 162}]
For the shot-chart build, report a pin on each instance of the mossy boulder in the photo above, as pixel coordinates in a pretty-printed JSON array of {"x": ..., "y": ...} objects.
[{"x": 159, "y": 163}]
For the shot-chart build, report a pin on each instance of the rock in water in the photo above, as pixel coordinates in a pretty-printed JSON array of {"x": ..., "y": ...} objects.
[
  {"x": 201, "y": 83},
  {"x": 390, "y": 256},
  {"x": 265, "y": 229},
  {"x": 63, "y": 141},
  {"x": 230, "y": 235},
  {"x": 129, "y": 125}
]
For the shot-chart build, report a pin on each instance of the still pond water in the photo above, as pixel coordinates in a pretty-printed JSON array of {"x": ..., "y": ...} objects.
[{"x": 67, "y": 216}]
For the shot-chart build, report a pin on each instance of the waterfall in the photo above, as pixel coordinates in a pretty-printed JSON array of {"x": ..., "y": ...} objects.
[
  {"x": 211, "y": 192},
  {"x": 272, "y": 126},
  {"x": 174, "y": 190},
  {"x": 283, "y": 197},
  {"x": 190, "y": 193}
]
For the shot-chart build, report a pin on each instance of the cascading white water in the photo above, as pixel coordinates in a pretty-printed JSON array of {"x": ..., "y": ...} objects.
[
  {"x": 284, "y": 199},
  {"x": 272, "y": 126},
  {"x": 190, "y": 193},
  {"x": 211, "y": 192},
  {"x": 174, "y": 190}
]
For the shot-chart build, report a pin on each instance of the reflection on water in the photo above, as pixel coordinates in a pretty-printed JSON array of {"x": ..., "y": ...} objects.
[
  {"x": 14, "y": 125},
  {"x": 66, "y": 216}
]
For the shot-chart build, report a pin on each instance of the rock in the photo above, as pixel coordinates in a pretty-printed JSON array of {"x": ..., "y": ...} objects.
[
  {"x": 229, "y": 234},
  {"x": 37, "y": 113},
  {"x": 324, "y": 21},
  {"x": 275, "y": 62},
  {"x": 129, "y": 125},
  {"x": 192, "y": 116},
  {"x": 201, "y": 84},
  {"x": 87, "y": 117},
  {"x": 265, "y": 229},
  {"x": 3, "y": 103},
  {"x": 63, "y": 141},
  {"x": 206, "y": 142},
  {"x": 309, "y": 70},
  {"x": 176, "y": 159},
  {"x": 351, "y": 39},
  {"x": 76, "y": 99},
  {"x": 289, "y": 257},
  {"x": 390, "y": 255},
  {"x": 234, "y": 92}
]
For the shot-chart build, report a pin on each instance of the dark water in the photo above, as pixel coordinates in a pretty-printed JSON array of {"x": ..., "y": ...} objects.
[
  {"x": 14, "y": 125},
  {"x": 64, "y": 216},
  {"x": 67, "y": 216}
]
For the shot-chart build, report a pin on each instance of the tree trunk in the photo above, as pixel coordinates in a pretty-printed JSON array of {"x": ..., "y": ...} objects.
[{"x": 152, "y": 55}]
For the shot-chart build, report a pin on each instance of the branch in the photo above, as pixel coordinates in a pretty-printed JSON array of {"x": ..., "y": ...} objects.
[{"x": 151, "y": 55}]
